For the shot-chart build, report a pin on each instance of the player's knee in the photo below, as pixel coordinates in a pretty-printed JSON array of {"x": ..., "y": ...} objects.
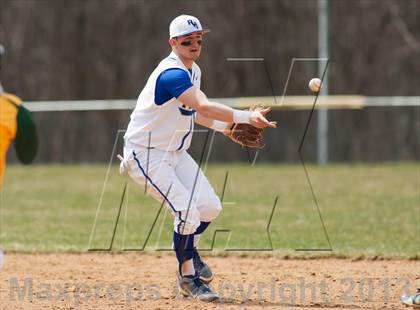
[{"x": 212, "y": 210}]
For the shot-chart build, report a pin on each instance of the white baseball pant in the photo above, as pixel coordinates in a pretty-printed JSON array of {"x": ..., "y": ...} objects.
[{"x": 170, "y": 178}]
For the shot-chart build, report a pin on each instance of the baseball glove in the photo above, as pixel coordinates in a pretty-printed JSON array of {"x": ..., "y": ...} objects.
[{"x": 246, "y": 134}]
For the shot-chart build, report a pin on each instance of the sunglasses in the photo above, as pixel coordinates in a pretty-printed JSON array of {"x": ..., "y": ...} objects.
[{"x": 189, "y": 43}]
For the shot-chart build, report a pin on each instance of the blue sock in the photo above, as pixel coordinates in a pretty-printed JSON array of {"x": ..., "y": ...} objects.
[
  {"x": 183, "y": 247},
  {"x": 203, "y": 226}
]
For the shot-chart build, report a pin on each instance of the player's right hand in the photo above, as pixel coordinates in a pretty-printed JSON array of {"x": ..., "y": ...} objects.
[{"x": 258, "y": 119}]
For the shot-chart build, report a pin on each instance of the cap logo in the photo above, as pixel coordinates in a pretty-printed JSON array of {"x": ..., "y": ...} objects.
[{"x": 192, "y": 23}]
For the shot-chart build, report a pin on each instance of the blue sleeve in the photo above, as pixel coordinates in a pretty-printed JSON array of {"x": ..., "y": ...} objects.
[{"x": 171, "y": 83}]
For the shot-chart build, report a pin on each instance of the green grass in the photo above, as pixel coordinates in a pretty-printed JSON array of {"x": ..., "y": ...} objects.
[{"x": 368, "y": 210}]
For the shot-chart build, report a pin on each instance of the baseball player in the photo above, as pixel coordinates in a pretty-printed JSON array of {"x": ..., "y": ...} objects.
[
  {"x": 15, "y": 124},
  {"x": 156, "y": 142}
]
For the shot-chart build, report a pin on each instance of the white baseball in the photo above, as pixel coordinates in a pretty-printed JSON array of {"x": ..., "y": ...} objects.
[{"x": 315, "y": 84}]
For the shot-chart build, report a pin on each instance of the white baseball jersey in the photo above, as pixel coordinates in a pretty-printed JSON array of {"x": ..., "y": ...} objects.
[{"x": 168, "y": 126}]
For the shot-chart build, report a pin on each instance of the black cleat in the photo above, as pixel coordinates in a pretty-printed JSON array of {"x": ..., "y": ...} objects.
[
  {"x": 193, "y": 287},
  {"x": 203, "y": 270},
  {"x": 412, "y": 300}
]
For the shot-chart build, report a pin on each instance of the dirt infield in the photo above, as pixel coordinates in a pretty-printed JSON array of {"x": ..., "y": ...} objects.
[{"x": 145, "y": 281}]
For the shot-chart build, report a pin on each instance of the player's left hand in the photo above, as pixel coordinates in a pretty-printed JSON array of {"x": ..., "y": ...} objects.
[{"x": 250, "y": 135}]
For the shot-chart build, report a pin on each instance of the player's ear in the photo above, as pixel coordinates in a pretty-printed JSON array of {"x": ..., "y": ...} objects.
[{"x": 172, "y": 42}]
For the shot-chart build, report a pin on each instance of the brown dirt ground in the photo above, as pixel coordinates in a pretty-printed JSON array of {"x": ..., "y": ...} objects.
[{"x": 147, "y": 281}]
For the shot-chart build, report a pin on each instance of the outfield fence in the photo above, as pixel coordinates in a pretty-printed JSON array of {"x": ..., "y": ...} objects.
[
  {"x": 278, "y": 102},
  {"x": 360, "y": 129}
]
